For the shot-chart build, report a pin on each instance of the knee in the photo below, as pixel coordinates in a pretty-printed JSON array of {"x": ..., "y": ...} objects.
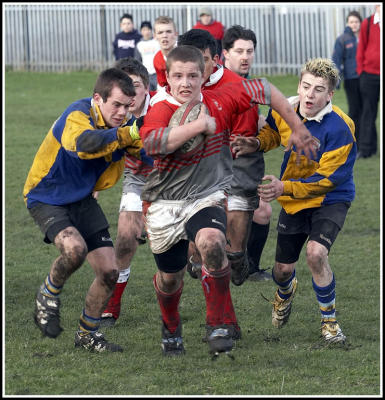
[
  {"x": 75, "y": 254},
  {"x": 72, "y": 247},
  {"x": 316, "y": 256},
  {"x": 169, "y": 283},
  {"x": 109, "y": 278},
  {"x": 282, "y": 272},
  {"x": 211, "y": 245}
]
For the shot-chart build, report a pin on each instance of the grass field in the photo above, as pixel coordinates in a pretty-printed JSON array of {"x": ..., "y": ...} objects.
[{"x": 291, "y": 361}]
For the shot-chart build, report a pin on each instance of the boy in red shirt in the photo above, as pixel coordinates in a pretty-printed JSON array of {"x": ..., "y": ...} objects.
[
  {"x": 184, "y": 196},
  {"x": 166, "y": 34},
  {"x": 239, "y": 46},
  {"x": 247, "y": 171},
  {"x": 207, "y": 23}
]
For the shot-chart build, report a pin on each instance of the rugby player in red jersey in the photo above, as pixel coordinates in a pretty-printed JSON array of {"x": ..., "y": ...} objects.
[{"x": 184, "y": 197}]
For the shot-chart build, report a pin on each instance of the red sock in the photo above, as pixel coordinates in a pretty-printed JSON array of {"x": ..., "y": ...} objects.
[
  {"x": 216, "y": 287},
  {"x": 113, "y": 305},
  {"x": 169, "y": 306},
  {"x": 229, "y": 316}
]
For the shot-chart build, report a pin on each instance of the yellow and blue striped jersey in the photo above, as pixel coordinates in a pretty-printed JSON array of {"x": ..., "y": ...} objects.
[
  {"x": 79, "y": 155},
  {"x": 328, "y": 178}
]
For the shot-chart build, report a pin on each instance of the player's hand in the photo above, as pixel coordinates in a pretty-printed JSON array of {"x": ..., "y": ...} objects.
[
  {"x": 303, "y": 141},
  {"x": 209, "y": 122},
  {"x": 241, "y": 145},
  {"x": 95, "y": 195},
  {"x": 270, "y": 191},
  {"x": 134, "y": 130}
]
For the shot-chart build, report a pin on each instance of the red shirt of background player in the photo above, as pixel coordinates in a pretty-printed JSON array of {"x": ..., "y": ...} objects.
[{"x": 160, "y": 68}]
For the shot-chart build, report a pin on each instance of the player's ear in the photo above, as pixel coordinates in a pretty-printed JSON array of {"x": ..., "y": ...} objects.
[{"x": 98, "y": 99}]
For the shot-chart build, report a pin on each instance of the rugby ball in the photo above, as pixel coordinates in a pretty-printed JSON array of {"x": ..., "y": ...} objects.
[{"x": 186, "y": 113}]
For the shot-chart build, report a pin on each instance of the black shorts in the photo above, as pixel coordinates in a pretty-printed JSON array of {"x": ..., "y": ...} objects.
[
  {"x": 208, "y": 217},
  {"x": 85, "y": 215},
  {"x": 175, "y": 258},
  {"x": 321, "y": 224}
]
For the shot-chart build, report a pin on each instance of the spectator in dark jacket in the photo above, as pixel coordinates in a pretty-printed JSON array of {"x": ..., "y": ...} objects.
[
  {"x": 126, "y": 40},
  {"x": 344, "y": 56}
]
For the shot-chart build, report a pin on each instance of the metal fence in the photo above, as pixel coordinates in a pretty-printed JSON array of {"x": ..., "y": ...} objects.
[{"x": 71, "y": 36}]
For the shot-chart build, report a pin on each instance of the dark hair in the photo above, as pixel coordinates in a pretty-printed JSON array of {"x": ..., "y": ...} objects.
[
  {"x": 237, "y": 32},
  {"x": 199, "y": 38},
  {"x": 354, "y": 14},
  {"x": 146, "y": 24},
  {"x": 110, "y": 78},
  {"x": 185, "y": 54},
  {"x": 132, "y": 66},
  {"x": 128, "y": 16}
]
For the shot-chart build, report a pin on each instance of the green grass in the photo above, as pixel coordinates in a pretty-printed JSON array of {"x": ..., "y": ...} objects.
[{"x": 289, "y": 361}]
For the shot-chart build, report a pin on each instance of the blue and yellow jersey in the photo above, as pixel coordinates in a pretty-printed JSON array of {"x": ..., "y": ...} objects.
[
  {"x": 328, "y": 178},
  {"x": 79, "y": 155}
]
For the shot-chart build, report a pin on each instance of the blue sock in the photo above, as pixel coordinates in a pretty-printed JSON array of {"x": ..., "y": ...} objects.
[
  {"x": 326, "y": 297},
  {"x": 285, "y": 289},
  {"x": 88, "y": 324},
  {"x": 50, "y": 289}
]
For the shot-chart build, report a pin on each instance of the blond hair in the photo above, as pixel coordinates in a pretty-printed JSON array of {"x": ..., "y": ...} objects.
[
  {"x": 322, "y": 68},
  {"x": 163, "y": 19}
]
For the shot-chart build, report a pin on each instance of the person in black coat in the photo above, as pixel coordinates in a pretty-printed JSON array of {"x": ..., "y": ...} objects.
[{"x": 344, "y": 56}]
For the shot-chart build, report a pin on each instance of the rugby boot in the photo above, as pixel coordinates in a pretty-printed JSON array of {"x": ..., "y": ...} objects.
[
  {"x": 331, "y": 332},
  {"x": 234, "y": 331},
  {"x": 219, "y": 339},
  {"x": 194, "y": 269},
  {"x": 95, "y": 342},
  {"x": 239, "y": 267},
  {"x": 282, "y": 307},
  {"x": 47, "y": 315},
  {"x": 172, "y": 343}
]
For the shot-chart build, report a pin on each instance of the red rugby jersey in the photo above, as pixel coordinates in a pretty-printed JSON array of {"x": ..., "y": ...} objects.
[
  {"x": 160, "y": 68},
  {"x": 178, "y": 176},
  {"x": 245, "y": 124}
]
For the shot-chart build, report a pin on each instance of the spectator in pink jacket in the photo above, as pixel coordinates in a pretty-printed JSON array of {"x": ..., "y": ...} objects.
[{"x": 368, "y": 68}]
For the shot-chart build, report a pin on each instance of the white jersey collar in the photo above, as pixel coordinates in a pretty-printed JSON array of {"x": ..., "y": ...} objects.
[
  {"x": 216, "y": 76},
  {"x": 294, "y": 100},
  {"x": 162, "y": 94}
]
